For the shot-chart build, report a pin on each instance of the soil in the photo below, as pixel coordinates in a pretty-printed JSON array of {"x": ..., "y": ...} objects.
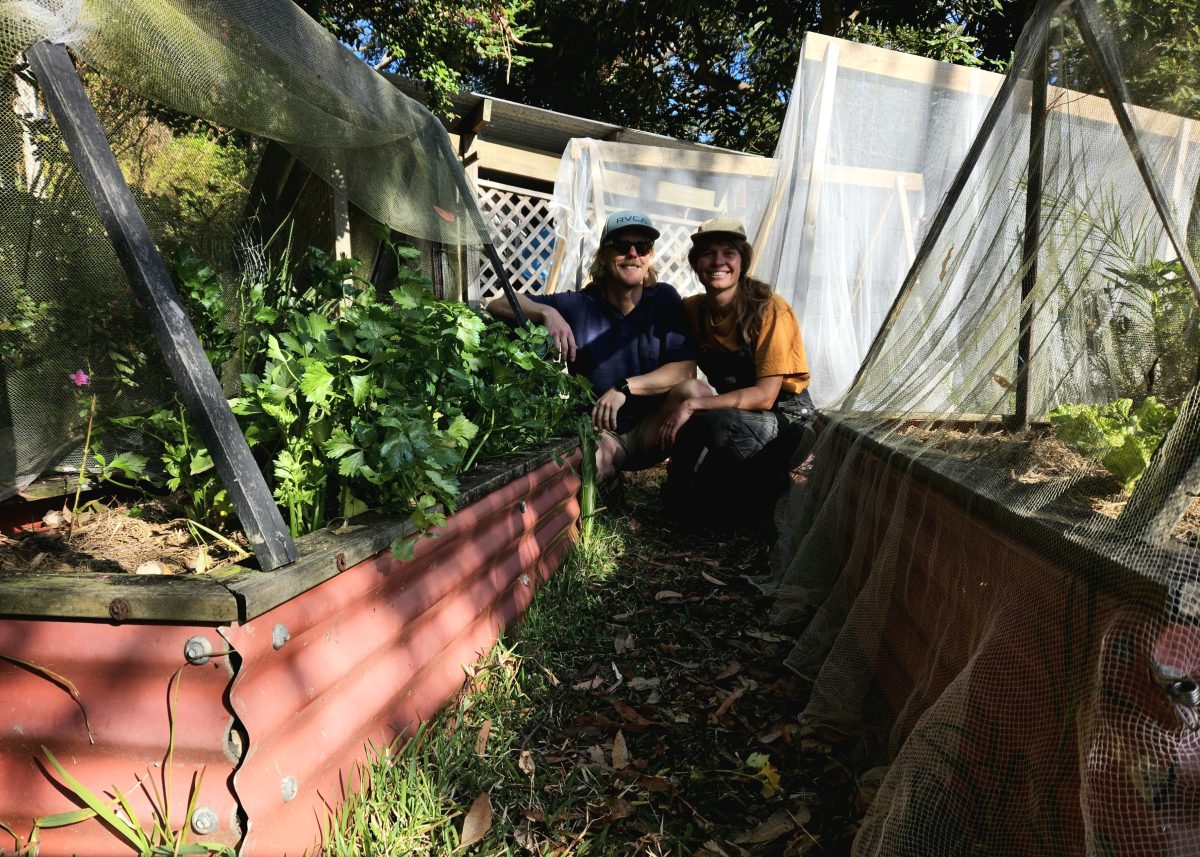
[
  {"x": 114, "y": 538},
  {"x": 1035, "y": 457}
]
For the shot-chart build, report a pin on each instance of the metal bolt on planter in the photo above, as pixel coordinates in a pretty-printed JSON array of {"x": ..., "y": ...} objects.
[
  {"x": 197, "y": 650},
  {"x": 289, "y": 787},
  {"x": 1185, "y": 692},
  {"x": 204, "y": 821},
  {"x": 279, "y": 636}
]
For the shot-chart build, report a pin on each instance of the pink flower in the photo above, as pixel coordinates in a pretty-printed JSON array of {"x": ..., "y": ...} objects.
[{"x": 79, "y": 378}]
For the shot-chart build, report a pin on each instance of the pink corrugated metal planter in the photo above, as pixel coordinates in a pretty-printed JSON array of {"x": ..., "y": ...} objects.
[{"x": 348, "y": 650}]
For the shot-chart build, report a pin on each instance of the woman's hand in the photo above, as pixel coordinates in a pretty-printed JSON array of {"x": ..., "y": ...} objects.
[
  {"x": 674, "y": 422},
  {"x": 560, "y": 333},
  {"x": 604, "y": 414}
]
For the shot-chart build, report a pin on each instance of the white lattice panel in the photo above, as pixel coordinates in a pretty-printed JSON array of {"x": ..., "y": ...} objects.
[{"x": 524, "y": 233}]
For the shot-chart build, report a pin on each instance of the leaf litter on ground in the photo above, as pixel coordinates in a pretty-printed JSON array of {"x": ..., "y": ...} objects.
[{"x": 676, "y": 732}]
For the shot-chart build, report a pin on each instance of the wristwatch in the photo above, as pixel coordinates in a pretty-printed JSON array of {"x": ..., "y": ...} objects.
[{"x": 623, "y": 387}]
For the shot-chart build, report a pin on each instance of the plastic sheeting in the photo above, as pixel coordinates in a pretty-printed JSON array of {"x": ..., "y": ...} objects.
[{"x": 869, "y": 144}]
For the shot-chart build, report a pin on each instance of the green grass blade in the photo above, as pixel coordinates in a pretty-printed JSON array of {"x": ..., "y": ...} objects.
[
  {"x": 59, "y": 680},
  {"x": 135, "y": 837}
]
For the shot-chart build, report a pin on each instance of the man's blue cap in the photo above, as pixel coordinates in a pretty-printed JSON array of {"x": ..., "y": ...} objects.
[{"x": 628, "y": 219}]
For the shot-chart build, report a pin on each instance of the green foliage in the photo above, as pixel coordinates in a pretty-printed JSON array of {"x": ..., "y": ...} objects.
[
  {"x": 1157, "y": 326},
  {"x": 432, "y": 40},
  {"x": 352, "y": 400},
  {"x": 1119, "y": 436},
  {"x": 705, "y": 71},
  {"x": 160, "y": 836},
  {"x": 946, "y": 43}
]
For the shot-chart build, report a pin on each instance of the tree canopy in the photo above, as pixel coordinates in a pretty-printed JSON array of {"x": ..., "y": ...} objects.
[{"x": 692, "y": 69}]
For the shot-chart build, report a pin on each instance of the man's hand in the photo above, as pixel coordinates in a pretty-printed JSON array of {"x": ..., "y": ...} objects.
[
  {"x": 674, "y": 422},
  {"x": 560, "y": 333},
  {"x": 604, "y": 415}
]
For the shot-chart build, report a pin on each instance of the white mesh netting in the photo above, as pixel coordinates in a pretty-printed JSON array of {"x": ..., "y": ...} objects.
[{"x": 983, "y": 583}]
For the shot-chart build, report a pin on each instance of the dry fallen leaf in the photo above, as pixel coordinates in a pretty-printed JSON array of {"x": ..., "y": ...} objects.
[
  {"x": 731, "y": 669},
  {"x": 640, "y": 683},
  {"x": 620, "y": 752},
  {"x": 623, "y": 642},
  {"x": 57, "y": 517},
  {"x": 478, "y": 821},
  {"x": 596, "y": 756},
  {"x": 713, "y": 580},
  {"x": 481, "y": 741},
  {"x": 777, "y": 825},
  {"x": 766, "y": 636},
  {"x": 201, "y": 562},
  {"x": 724, "y": 706},
  {"x": 526, "y": 838},
  {"x": 588, "y": 684},
  {"x": 668, "y": 594},
  {"x": 525, "y": 763}
]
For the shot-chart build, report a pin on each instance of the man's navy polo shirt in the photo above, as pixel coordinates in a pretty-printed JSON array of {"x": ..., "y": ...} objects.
[{"x": 611, "y": 347}]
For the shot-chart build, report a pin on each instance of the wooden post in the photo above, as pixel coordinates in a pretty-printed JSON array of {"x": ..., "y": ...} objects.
[
  {"x": 198, "y": 387},
  {"x": 468, "y": 129},
  {"x": 816, "y": 176},
  {"x": 1033, "y": 232}
]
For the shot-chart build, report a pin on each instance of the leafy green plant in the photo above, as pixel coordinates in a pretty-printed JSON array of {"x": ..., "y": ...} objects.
[
  {"x": 1119, "y": 436},
  {"x": 1156, "y": 315},
  {"x": 353, "y": 399}
]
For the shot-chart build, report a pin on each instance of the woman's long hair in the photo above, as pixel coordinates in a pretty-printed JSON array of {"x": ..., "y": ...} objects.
[
  {"x": 751, "y": 295},
  {"x": 598, "y": 272}
]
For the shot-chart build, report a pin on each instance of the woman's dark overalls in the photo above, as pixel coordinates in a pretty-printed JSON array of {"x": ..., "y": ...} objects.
[{"x": 729, "y": 465}]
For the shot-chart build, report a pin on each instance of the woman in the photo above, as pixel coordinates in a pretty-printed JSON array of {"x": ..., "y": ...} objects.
[{"x": 731, "y": 445}]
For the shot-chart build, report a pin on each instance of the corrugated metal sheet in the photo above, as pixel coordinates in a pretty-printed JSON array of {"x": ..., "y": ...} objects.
[
  {"x": 366, "y": 654},
  {"x": 379, "y": 647},
  {"x": 122, "y": 674}
]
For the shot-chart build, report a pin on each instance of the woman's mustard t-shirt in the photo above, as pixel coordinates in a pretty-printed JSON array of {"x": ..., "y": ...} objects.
[{"x": 778, "y": 351}]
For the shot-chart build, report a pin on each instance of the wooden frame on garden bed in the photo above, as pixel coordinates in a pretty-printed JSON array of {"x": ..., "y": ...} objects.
[{"x": 238, "y": 593}]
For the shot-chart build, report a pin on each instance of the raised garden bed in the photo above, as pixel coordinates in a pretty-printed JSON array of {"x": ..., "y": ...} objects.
[
  {"x": 284, "y": 678},
  {"x": 1034, "y": 668}
]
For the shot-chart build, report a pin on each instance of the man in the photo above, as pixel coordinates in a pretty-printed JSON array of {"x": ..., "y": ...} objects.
[{"x": 626, "y": 333}]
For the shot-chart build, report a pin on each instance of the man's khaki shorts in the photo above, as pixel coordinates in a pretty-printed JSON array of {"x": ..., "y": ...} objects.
[{"x": 639, "y": 455}]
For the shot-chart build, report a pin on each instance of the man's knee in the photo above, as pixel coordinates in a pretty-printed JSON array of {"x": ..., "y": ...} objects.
[{"x": 609, "y": 455}]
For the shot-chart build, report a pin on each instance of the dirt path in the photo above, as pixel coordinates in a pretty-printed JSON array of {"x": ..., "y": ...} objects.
[{"x": 668, "y": 686}]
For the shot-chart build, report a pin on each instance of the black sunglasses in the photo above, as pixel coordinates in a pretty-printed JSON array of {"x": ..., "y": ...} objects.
[{"x": 622, "y": 245}]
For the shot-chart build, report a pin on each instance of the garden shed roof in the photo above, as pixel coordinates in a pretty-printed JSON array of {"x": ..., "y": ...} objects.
[{"x": 520, "y": 127}]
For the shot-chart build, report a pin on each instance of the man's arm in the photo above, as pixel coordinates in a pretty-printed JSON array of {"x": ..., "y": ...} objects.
[
  {"x": 654, "y": 383},
  {"x": 543, "y": 314}
]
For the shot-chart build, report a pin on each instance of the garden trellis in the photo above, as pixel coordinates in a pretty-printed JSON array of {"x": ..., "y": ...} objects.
[{"x": 265, "y": 69}]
